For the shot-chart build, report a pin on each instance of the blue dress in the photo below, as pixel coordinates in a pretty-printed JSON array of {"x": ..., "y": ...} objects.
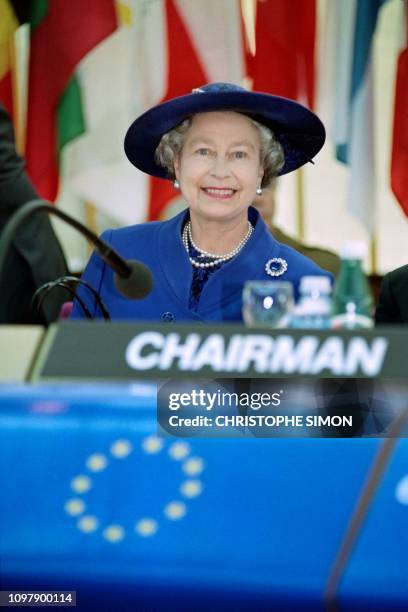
[{"x": 159, "y": 245}]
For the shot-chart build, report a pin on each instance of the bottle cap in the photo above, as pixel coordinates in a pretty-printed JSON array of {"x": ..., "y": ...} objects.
[
  {"x": 353, "y": 249},
  {"x": 320, "y": 284}
]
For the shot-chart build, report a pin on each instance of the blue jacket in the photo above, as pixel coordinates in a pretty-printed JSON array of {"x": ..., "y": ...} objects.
[{"x": 159, "y": 246}]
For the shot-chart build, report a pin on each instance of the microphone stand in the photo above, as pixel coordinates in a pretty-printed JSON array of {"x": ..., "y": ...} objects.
[
  {"x": 124, "y": 270},
  {"x": 109, "y": 255}
]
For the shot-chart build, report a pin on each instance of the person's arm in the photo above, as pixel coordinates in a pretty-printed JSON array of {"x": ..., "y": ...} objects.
[
  {"x": 35, "y": 256},
  {"x": 15, "y": 186}
]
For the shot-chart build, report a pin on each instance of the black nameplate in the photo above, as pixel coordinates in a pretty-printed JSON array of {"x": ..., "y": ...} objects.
[{"x": 114, "y": 351}]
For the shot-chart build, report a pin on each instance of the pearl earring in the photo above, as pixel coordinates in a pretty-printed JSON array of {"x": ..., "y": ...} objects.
[
  {"x": 176, "y": 184},
  {"x": 259, "y": 191}
]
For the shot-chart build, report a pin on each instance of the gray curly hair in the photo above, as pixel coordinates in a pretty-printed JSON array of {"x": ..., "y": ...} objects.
[{"x": 171, "y": 145}]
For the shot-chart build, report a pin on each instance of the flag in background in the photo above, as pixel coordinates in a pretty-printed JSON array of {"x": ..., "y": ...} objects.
[
  {"x": 8, "y": 25},
  {"x": 354, "y": 26},
  {"x": 62, "y": 33},
  {"x": 285, "y": 35},
  {"x": 184, "y": 72},
  {"x": 142, "y": 64},
  {"x": 114, "y": 89},
  {"x": 399, "y": 159},
  {"x": 204, "y": 44},
  {"x": 160, "y": 50}
]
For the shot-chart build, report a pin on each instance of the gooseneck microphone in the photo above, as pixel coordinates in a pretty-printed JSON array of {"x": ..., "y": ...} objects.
[{"x": 133, "y": 279}]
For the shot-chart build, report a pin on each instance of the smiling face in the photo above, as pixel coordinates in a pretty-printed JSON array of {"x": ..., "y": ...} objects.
[{"x": 219, "y": 166}]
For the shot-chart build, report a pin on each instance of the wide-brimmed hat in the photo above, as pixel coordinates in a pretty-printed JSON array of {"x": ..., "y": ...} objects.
[{"x": 297, "y": 129}]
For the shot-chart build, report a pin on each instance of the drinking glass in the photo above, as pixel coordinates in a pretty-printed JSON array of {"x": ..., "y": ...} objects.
[{"x": 267, "y": 303}]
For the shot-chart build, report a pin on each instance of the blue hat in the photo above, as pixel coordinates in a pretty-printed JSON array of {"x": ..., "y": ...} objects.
[{"x": 299, "y": 131}]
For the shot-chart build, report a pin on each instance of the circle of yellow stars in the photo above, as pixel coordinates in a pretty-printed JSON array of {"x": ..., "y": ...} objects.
[{"x": 146, "y": 526}]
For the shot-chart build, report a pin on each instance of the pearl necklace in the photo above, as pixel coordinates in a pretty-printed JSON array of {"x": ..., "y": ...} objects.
[{"x": 187, "y": 237}]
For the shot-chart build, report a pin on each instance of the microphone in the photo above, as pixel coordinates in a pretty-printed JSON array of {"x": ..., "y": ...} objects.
[
  {"x": 138, "y": 284},
  {"x": 133, "y": 279}
]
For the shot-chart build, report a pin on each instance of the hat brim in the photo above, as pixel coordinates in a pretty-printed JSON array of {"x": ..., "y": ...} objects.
[{"x": 299, "y": 131}]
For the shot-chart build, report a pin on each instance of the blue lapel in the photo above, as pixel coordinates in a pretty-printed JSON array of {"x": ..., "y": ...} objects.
[
  {"x": 173, "y": 259},
  {"x": 225, "y": 285}
]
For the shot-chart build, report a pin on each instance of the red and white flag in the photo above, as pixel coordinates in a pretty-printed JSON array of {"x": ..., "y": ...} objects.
[
  {"x": 399, "y": 156},
  {"x": 285, "y": 35}
]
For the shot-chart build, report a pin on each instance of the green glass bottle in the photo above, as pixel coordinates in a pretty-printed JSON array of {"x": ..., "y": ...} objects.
[{"x": 352, "y": 306}]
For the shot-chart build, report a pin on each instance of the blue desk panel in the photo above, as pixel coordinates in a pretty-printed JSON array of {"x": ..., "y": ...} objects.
[
  {"x": 376, "y": 576},
  {"x": 93, "y": 500}
]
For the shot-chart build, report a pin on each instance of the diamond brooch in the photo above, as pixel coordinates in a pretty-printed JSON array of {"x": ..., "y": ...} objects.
[{"x": 276, "y": 266}]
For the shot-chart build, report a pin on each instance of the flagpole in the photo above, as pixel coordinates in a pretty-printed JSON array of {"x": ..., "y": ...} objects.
[
  {"x": 18, "y": 122},
  {"x": 248, "y": 11},
  {"x": 300, "y": 203}
]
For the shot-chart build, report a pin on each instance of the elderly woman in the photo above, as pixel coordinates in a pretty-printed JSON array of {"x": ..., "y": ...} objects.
[{"x": 221, "y": 145}]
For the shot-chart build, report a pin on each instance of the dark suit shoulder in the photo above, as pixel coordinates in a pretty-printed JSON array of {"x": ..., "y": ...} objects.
[
  {"x": 398, "y": 277},
  {"x": 393, "y": 301}
]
